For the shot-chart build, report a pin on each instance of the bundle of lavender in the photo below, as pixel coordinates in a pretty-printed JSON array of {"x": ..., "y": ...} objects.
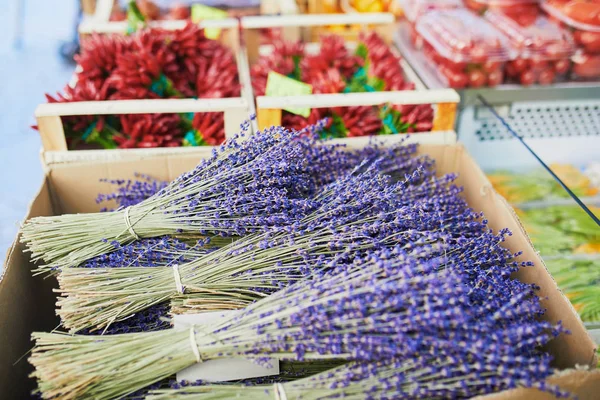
[
  {"x": 355, "y": 213},
  {"x": 388, "y": 307},
  {"x": 446, "y": 375},
  {"x": 244, "y": 187}
]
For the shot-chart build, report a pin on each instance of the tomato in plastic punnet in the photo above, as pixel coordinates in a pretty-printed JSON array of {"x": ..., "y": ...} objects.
[
  {"x": 582, "y": 11},
  {"x": 587, "y": 65},
  {"x": 546, "y": 77},
  {"x": 490, "y": 66},
  {"x": 527, "y": 78},
  {"x": 589, "y": 40},
  {"x": 561, "y": 67},
  {"x": 477, "y": 78}
]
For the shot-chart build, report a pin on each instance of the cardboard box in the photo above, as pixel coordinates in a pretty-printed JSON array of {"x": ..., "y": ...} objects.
[{"x": 27, "y": 304}]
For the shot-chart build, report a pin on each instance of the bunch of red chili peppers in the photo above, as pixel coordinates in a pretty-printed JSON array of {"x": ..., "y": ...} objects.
[
  {"x": 150, "y": 64},
  {"x": 372, "y": 66}
]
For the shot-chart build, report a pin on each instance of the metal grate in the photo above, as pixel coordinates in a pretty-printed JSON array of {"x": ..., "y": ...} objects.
[{"x": 543, "y": 121}]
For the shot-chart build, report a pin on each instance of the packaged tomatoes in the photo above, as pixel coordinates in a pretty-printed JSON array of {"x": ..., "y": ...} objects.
[
  {"x": 579, "y": 14},
  {"x": 544, "y": 49},
  {"x": 466, "y": 49},
  {"x": 522, "y": 11},
  {"x": 582, "y": 17},
  {"x": 413, "y": 9}
]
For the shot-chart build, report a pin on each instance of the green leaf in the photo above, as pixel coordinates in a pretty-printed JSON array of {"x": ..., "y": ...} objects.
[
  {"x": 362, "y": 51},
  {"x": 297, "y": 73},
  {"x": 135, "y": 18},
  {"x": 336, "y": 130}
]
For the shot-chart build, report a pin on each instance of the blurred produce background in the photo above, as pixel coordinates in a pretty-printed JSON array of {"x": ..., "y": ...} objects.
[{"x": 31, "y": 66}]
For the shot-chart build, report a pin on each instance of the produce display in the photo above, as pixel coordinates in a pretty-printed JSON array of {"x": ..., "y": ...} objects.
[
  {"x": 413, "y": 9},
  {"x": 538, "y": 185},
  {"x": 178, "y": 11},
  {"x": 523, "y": 12},
  {"x": 372, "y": 66},
  {"x": 565, "y": 236},
  {"x": 464, "y": 49},
  {"x": 582, "y": 14},
  {"x": 582, "y": 17},
  {"x": 544, "y": 49},
  {"x": 361, "y": 269},
  {"x": 366, "y": 257},
  {"x": 150, "y": 64}
]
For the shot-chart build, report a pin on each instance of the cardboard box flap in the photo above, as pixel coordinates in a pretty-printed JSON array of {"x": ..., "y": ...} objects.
[{"x": 581, "y": 383}]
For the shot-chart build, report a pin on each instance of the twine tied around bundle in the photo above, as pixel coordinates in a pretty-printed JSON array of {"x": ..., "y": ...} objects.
[
  {"x": 194, "y": 345},
  {"x": 279, "y": 391},
  {"x": 177, "y": 276},
  {"x": 129, "y": 225}
]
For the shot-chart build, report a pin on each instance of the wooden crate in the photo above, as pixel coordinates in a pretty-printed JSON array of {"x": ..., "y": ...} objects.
[
  {"x": 445, "y": 101},
  {"x": 236, "y": 110},
  {"x": 304, "y": 27},
  {"x": 54, "y": 144},
  {"x": 269, "y": 109}
]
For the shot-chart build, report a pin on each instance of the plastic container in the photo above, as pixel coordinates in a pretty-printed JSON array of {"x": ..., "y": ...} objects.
[
  {"x": 579, "y": 14},
  {"x": 544, "y": 49},
  {"x": 413, "y": 9},
  {"x": 465, "y": 49},
  {"x": 524, "y": 10},
  {"x": 581, "y": 19}
]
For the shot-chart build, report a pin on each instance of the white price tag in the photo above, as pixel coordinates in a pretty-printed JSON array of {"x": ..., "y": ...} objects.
[{"x": 223, "y": 369}]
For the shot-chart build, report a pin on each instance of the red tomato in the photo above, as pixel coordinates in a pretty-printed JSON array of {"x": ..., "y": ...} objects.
[
  {"x": 457, "y": 80},
  {"x": 589, "y": 40},
  {"x": 510, "y": 70},
  {"x": 582, "y": 11},
  {"x": 477, "y": 78},
  {"x": 561, "y": 67},
  {"x": 546, "y": 77},
  {"x": 525, "y": 19},
  {"x": 454, "y": 66},
  {"x": 526, "y": 78},
  {"x": 587, "y": 66},
  {"x": 519, "y": 65},
  {"x": 494, "y": 78},
  {"x": 538, "y": 65},
  {"x": 478, "y": 54},
  {"x": 490, "y": 66}
]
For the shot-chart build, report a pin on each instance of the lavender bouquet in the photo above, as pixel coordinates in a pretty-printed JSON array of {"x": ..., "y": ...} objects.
[
  {"x": 445, "y": 375},
  {"x": 244, "y": 187},
  {"x": 356, "y": 213},
  {"x": 387, "y": 307}
]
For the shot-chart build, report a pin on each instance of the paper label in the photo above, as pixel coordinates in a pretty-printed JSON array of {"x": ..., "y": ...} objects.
[
  {"x": 279, "y": 85},
  {"x": 223, "y": 369},
  {"x": 201, "y": 12}
]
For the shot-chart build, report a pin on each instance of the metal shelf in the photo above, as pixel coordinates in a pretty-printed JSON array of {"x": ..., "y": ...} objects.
[{"x": 561, "y": 122}]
